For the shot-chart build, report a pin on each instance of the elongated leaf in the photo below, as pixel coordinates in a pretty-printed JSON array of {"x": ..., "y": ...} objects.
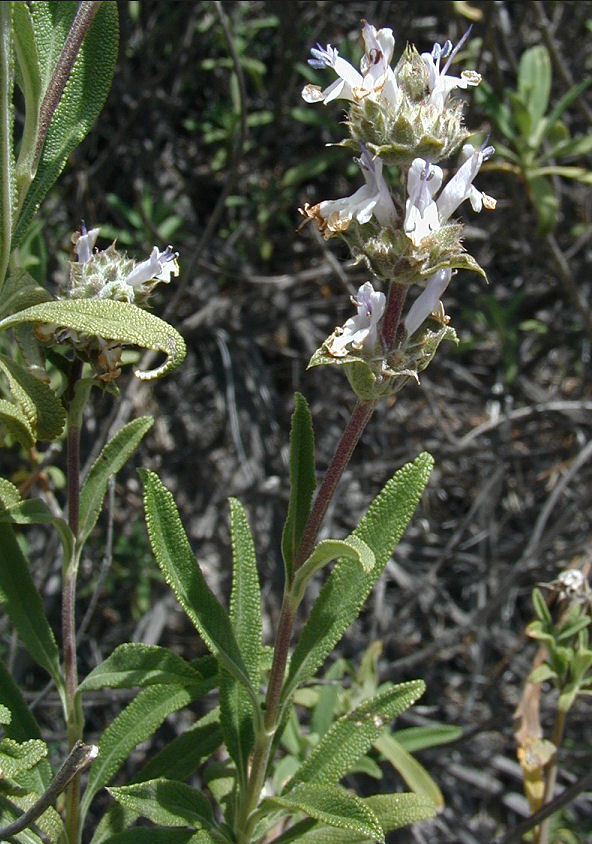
[
  {"x": 183, "y": 755},
  {"x": 566, "y": 100},
  {"x": 20, "y": 291},
  {"x": 414, "y": 774},
  {"x": 22, "y": 603},
  {"x": 33, "y": 511},
  {"x": 82, "y": 99},
  {"x": 348, "y": 585},
  {"x": 181, "y": 570},
  {"x": 44, "y": 411},
  {"x": 353, "y": 734},
  {"x": 16, "y": 423},
  {"x": 151, "y": 835},
  {"x": 111, "y": 459},
  {"x": 166, "y": 802},
  {"x": 545, "y": 201},
  {"x": 29, "y": 79},
  {"x": 120, "y": 321},
  {"x": 134, "y": 664},
  {"x": 534, "y": 82},
  {"x": 236, "y": 706},
  {"x": 134, "y": 724},
  {"x": 18, "y": 756},
  {"x": 8, "y": 813},
  {"x": 352, "y": 548},
  {"x": 434, "y": 735},
  {"x": 334, "y": 806},
  {"x": 302, "y": 481},
  {"x": 7, "y": 163},
  {"x": 22, "y": 726}
]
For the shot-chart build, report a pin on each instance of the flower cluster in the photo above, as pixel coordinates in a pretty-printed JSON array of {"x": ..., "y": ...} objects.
[
  {"x": 108, "y": 274},
  {"x": 405, "y": 234}
]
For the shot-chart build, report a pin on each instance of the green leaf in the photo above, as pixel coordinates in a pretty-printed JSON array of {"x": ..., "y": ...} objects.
[
  {"x": 44, "y": 411},
  {"x": 542, "y": 673},
  {"x": 534, "y": 83},
  {"x": 182, "y": 756},
  {"x": 134, "y": 664},
  {"x": 569, "y": 147},
  {"x": 302, "y": 481},
  {"x": 9, "y": 494},
  {"x": 352, "y": 548},
  {"x": 349, "y": 738},
  {"x": 348, "y": 585},
  {"x": 566, "y": 100},
  {"x": 82, "y": 99},
  {"x": 120, "y": 321},
  {"x": 580, "y": 174},
  {"x": 397, "y": 810},
  {"x": 7, "y": 163},
  {"x": 111, "y": 459},
  {"x": 20, "y": 291},
  {"x": 16, "y": 756},
  {"x": 414, "y": 774},
  {"x": 334, "y": 806},
  {"x": 29, "y": 80},
  {"x": 137, "y": 722},
  {"x": 545, "y": 201},
  {"x": 16, "y": 423},
  {"x": 236, "y": 706},
  {"x": 33, "y": 511},
  {"x": 421, "y": 738},
  {"x": 23, "y": 606},
  {"x": 181, "y": 571},
  {"x": 9, "y": 813},
  {"x": 498, "y": 111},
  {"x": 166, "y": 802},
  {"x": 147, "y": 835}
]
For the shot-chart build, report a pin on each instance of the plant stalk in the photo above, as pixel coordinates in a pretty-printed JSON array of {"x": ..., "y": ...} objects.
[
  {"x": 541, "y": 836},
  {"x": 359, "y": 419}
]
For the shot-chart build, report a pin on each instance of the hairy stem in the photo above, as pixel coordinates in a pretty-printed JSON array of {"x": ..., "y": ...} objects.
[
  {"x": 542, "y": 835},
  {"x": 74, "y": 718}
]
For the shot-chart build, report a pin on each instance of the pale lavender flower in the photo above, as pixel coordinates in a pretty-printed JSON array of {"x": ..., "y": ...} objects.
[
  {"x": 425, "y": 215},
  {"x": 440, "y": 84},
  {"x": 85, "y": 243},
  {"x": 159, "y": 266},
  {"x": 377, "y": 78},
  {"x": 428, "y": 301},
  {"x": 360, "y": 331},
  {"x": 371, "y": 200}
]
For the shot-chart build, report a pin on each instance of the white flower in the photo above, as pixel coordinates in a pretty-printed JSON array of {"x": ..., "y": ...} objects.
[
  {"x": 440, "y": 85},
  {"x": 85, "y": 242},
  {"x": 377, "y": 78},
  {"x": 428, "y": 301},
  {"x": 424, "y": 214},
  {"x": 360, "y": 331},
  {"x": 159, "y": 266},
  {"x": 372, "y": 199}
]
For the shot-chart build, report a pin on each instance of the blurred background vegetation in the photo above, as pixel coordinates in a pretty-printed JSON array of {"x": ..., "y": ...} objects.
[{"x": 206, "y": 144}]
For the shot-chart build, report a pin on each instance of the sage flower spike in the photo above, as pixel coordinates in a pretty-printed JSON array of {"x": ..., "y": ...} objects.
[
  {"x": 360, "y": 331},
  {"x": 440, "y": 84},
  {"x": 372, "y": 199},
  {"x": 377, "y": 78},
  {"x": 428, "y": 302},
  {"x": 461, "y": 187}
]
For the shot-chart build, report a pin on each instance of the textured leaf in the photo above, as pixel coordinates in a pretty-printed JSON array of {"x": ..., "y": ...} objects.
[
  {"x": 33, "y": 511},
  {"x": 134, "y": 664},
  {"x": 137, "y": 722},
  {"x": 44, "y": 411},
  {"x": 183, "y": 755},
  {"x": 181, "y": 570},
  {"x": 120, "y": 321},
  {"x": 348, "y": 585},
  {"x": 8, "y": 813},
  {"x": 236, "y": 706},
  {"x": 349, "y": 738},
  {"x": 20, "y": 291},
  {"x": 414, "y": 774},
  {"x": 9, "y": 494},
  {"x": 7, "y": 163},
  {"x": 334, "y": 806},
  {"x": 16, "y": 423},
  {"x": 29, "y": 79},
  {"x": 16, "y": 756},
  {"x": 23, "y": 606},
  {"x": 83, "y": 96},
  {"x": 111, "y": 459},
  {"x": 166, "y": 802},
  {"x": 302, "y": 480},
  {"x": 434, "y": 735},
  {"x": 352, "y": 548}
]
